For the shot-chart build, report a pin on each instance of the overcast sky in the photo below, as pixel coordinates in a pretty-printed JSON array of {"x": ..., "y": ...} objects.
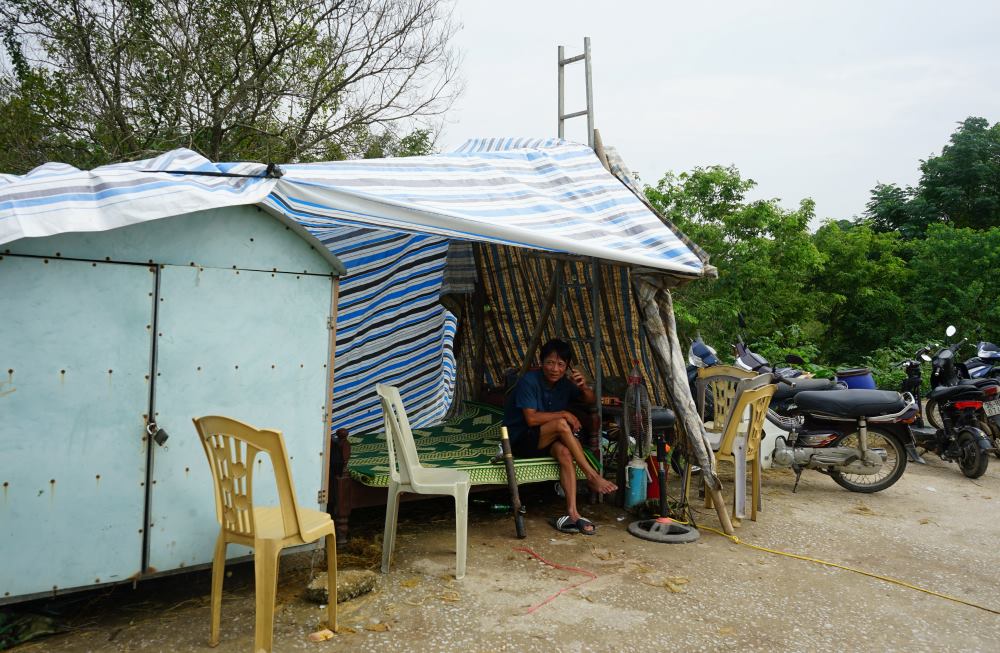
[{"x": 809, "y": 100}]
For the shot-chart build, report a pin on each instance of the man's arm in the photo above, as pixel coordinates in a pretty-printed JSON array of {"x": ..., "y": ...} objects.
[{"x": 538, "y": 418}]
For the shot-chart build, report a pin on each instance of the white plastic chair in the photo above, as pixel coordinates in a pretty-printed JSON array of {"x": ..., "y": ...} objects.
[{"x": 406, "y": 474}]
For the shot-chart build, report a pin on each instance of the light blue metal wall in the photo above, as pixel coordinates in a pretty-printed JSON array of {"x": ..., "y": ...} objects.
[
  {"x": 74, "y": 352},
  {"x": 246, "y": 302},
  {"x": 250, "y": 345}
]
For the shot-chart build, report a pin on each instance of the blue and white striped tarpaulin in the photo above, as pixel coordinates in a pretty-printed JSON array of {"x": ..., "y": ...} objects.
[{"x": 388, "y": 221}]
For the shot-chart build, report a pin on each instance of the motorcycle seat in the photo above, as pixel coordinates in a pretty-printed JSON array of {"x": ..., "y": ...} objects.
[
  {"x": 955, "y": 392},
  {"x": 851, "y": 403},
  {"x": 979, "y": 383},
  {"x": 662, "y": 418},
  {"x": 785, "y": 391}
]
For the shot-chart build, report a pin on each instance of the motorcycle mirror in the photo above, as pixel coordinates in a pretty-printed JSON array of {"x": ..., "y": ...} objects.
[
  {"x": 794, "y": 359},
  {"x": 926, "y": 358},
  {"x": 950, "y": 331}
]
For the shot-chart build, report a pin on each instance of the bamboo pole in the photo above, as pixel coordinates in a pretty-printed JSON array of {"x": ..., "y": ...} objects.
[{"x": 658, "y": 316}]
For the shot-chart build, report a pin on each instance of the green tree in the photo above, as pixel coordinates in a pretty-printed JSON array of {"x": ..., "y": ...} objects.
[
  {"x": 286, "y": 80},
  {"x": 763, "y": 253},
  {"x": 864, "y": 282},
  {"x": 953, "y": 272},
  {"x": 960, "y": 187}
]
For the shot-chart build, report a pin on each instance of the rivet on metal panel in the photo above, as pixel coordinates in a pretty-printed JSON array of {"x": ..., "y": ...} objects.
[
  {"x": 237, "y": 367},
  {"x": 62, "y": 371},
  {"x": 301, "y": 365},
  {"x": 140, "y": 530},
  {"x": 111, "y": 371},
  {"x": 147, "y": 377},
  {"x": 97, "y": 580},
  {"x": 52, "y": 481},
  {"x": 107, "y": 258},
  {"x": 272, "y": 274},
  {"x": 234, "y": 267},
  {"x": 98, "y": 477},
  {"x": 160, "y": 334},
  {"x": 199, "y": 368},
  {"x": 45, "y": 261},
  {"x": 10, "y": 371},
  {"x": 237, "y": 272},
  {"x": 93, "y": 265},
  {"x": 272, "y": 366},
  {"x": 251, "y": 240},
  {"x": 191, "y": 263},
  {"x": 58, "y": 255}
]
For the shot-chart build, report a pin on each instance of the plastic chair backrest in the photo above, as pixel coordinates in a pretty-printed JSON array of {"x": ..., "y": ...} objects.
[
  {"x": 755, "y": 397},
  {"x": 232, "y": 447},
  {"x": 398, "y": 436},
  {"x": 722, "y": 379}
]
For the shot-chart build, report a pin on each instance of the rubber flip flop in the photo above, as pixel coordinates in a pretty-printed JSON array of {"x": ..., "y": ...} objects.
[
  {"x": 565, "y": 524},
  {"x": 581, "y": 525}
]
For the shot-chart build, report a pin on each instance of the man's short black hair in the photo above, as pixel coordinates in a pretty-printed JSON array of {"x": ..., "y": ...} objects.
[{"x": 560, "y": 348}]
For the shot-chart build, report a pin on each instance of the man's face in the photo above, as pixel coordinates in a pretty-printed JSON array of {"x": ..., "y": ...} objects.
[{"x": 553, "y": 368}]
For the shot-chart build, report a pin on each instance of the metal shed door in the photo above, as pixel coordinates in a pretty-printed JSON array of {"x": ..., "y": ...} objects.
[
  {"x": 74, "y": 355},
  {"x": 246, "y": 344}
]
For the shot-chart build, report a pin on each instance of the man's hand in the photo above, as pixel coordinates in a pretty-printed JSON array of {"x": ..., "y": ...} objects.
[
  {"x": 574, "y": 423},
  {"x": 577, "y": 379}
]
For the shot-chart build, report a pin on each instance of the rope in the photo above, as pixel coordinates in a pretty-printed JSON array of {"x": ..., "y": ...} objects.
[
  {"x": 592, "y": 576},
  {"x": 887, "y": 579}
]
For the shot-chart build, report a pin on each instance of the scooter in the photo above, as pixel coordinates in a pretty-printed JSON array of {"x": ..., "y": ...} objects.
[
  {"x": 986, "y": 363},
  {"x": 860, "y": 438},
  {"x": 954, "y": 410}
]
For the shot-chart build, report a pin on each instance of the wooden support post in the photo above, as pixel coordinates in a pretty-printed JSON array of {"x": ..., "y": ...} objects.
[
  {"x": 479, "y": 318},
  {"x": 543, "y": 317}
]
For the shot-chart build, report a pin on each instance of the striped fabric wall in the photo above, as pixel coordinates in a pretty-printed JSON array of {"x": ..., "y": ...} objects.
[
  {"x": 516, "y": 282},
  {"x": 390, "y": 327}
]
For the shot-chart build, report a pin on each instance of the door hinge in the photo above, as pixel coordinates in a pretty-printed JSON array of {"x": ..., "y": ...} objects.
[{"x": 321, "y": 496}]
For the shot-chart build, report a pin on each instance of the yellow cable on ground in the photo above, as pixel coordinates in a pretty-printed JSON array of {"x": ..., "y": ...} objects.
[{"x": 887, "y": 579}]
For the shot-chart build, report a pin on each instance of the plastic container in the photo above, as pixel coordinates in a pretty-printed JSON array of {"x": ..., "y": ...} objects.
[
  {"x": 859, "y": 378},
  {"x": 635, "y": 483}
]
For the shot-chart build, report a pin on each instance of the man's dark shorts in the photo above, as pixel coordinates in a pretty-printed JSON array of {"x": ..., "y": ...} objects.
[{"x": 525, "y": 444}]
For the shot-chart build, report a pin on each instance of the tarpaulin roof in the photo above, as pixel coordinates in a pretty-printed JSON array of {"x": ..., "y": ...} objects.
[
  {"x": 388, "y": 221},
  {"x": 543, "y": 194}
]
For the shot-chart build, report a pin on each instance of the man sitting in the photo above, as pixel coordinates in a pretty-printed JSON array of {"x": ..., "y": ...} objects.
[{"x": 539, "y": 424}]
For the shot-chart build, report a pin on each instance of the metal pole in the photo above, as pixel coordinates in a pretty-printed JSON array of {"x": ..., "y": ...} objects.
[
  {"x": 590, "y": 93},
  {"x": 596, "y": 310},
  {"x": 562, "y": 92}
]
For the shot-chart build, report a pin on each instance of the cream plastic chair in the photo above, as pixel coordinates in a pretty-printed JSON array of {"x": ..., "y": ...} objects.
[
  {"x": 739, "y": 441},
  {"x": 406, "y": 474},
  {"x": 721, "y": 380},
  {"x": 231, "y": 447}
]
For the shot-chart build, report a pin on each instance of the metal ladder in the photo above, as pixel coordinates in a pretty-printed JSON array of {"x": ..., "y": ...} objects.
[{"x": 589, "y": 111}]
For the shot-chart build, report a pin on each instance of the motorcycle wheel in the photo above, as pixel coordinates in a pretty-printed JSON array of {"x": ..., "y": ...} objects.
[
  {"x": 891, "y": 470},
  {"x": 992, "y": 431},
  {"x": 971, "y": 459},
  {"x": 932, "y": 413}
]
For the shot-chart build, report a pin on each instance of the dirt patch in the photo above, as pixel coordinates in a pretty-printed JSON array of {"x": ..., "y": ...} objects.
[{"x": 934, "y": 529}]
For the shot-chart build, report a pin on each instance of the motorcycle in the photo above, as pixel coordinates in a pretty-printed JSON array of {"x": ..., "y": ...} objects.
[
  {"x": 860, "y": 438},
  {"x": 954, "y": 411},
  {"x": 751, "y": 361},
  {"x": 986, "y": 363}
]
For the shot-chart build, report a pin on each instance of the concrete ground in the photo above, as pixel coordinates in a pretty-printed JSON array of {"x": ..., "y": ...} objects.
[{"x": 935, "y": 529}]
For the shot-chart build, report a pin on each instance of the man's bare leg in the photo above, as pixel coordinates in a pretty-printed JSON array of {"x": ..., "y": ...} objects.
[
  {"x": 567, "y": 477},
  {"x": 558, "y": 430}
]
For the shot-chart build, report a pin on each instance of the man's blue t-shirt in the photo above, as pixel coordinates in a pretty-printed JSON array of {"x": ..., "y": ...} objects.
[{"x": 532, "y": 391}]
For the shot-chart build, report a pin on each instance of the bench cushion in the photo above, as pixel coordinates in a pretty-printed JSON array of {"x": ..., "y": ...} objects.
[{"x": 467, "y": 442}]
